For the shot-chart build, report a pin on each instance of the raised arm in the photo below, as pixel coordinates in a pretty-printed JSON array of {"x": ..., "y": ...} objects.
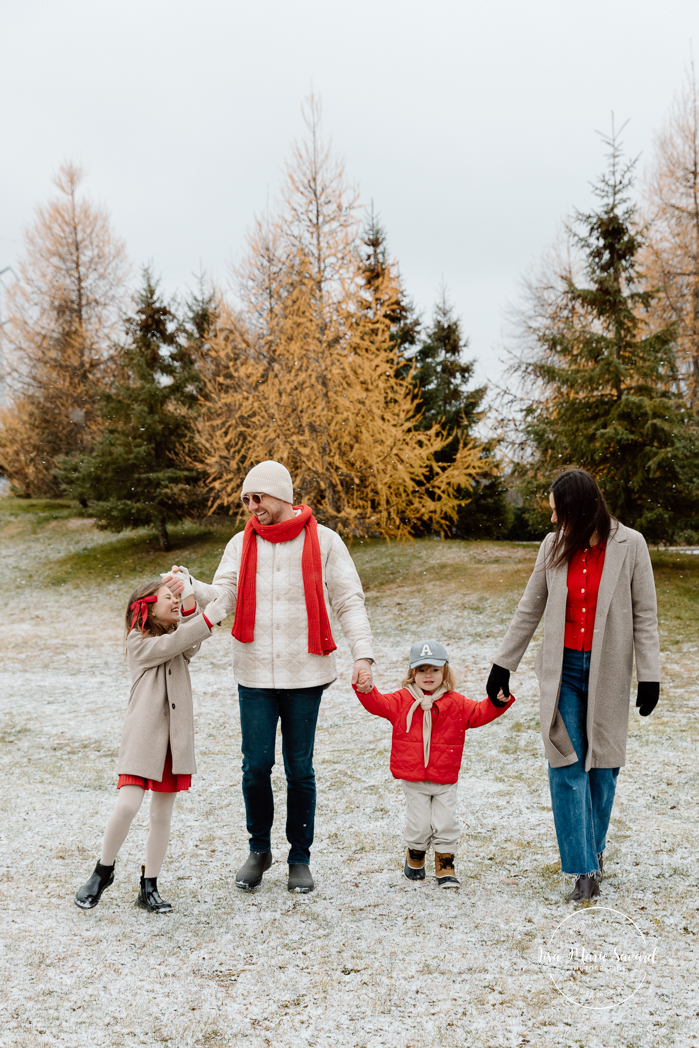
[
  {"x": 146, "y": 651},
  {"x": 527, "y": 616},
  {"x": 179, "y": 580},
  {"x": 225, "y": 582}
]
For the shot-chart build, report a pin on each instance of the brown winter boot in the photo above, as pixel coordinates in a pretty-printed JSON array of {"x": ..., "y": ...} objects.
[
  {"x": 414, "y": 868},
  {"x": 444, "y": 870},
  {"x": 586, "y": 888}
]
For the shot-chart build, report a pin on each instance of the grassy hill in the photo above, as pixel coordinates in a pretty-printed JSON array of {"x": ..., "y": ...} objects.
[{"x": 50, "y": 540}]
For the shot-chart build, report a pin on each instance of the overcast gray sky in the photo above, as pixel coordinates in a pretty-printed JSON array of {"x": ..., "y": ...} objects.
[{"x": 470, "y": 125}]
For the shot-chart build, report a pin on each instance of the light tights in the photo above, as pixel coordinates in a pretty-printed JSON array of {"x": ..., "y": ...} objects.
[
  {"x": 161, "y": 805},
  {"x": 127, "y": 807}
]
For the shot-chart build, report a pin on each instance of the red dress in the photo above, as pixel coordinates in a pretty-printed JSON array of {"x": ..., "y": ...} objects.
[
  {"x": 170, "y": 783},
  {"x": 584, "y": 574}
]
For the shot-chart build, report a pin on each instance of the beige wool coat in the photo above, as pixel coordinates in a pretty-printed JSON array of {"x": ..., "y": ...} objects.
[
  {"x": 626, "y": 621},
  {"x": 160, "y": 704}
]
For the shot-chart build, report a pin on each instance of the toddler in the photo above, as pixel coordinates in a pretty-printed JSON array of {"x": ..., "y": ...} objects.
[{"x": 426, "y": 752}]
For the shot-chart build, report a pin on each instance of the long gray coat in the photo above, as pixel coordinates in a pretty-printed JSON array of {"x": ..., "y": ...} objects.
[
  {"x": 626, "y": 618},
  {"x": 160, "y": 704}
]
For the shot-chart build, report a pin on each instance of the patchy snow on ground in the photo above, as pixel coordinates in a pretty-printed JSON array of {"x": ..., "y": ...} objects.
[{"x": 368, "y": 959}]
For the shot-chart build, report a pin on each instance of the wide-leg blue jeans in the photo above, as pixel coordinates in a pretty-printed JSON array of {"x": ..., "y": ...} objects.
[
  {"x": 581, "y": 800},
  {"x": 260, "y": 711}
]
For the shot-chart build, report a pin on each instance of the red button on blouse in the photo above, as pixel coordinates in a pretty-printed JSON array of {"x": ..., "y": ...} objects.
[{"x": 584, "y": 574}]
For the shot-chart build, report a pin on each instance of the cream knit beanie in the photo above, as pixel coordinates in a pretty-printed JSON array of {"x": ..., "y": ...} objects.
[{"x": 269, "y": 478}]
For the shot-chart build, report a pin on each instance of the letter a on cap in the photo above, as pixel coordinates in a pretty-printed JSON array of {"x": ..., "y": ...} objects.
[{"x": 426, "y": 650}]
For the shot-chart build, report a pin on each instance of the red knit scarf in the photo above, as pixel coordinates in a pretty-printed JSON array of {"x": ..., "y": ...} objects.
[{"x": 320, "y": 638}]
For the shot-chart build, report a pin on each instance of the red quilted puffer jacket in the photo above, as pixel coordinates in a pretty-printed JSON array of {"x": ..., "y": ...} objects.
[{"x": 451, "y": 716}]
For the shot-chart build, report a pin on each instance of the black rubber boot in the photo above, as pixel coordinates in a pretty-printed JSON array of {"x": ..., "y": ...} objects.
[
  {"x": 91, "y": 892},
  {"x": 250, "y": 873},
  {"x": 414, "y": 868},
  {"x": 300, "y": 879},
  {"x": 148, "y": 896}
]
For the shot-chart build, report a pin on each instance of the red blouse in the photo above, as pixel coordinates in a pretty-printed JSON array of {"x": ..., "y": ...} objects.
[{"x": 584, "y": 574}]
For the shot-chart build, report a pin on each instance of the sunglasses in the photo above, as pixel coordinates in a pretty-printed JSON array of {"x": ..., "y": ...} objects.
[{"x": 254, "y": 499}]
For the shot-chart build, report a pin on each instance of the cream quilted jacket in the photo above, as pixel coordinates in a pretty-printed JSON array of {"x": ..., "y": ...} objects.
[{"x": 278, "y": 657}]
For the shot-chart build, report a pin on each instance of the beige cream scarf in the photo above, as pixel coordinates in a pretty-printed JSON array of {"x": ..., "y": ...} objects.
[{"x": 426, "y": 701}]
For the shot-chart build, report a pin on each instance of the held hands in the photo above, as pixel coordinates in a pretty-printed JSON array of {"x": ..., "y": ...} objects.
[
  {"x": 498, "y": 686},
  {"x": 178, "y": 581},
  {"x": 215, "y": 612},
  {"x": 364, "y": 683},
  {"x": 647, "y": 696},
  {"x": 362, "y": 676}
]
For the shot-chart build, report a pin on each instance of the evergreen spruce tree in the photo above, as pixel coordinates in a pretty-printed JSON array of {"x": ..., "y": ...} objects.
[
  {"x": 608, "y": 399},
  {"x": 135, "y": 475},
  {"x": 442, "y": 375},
  {"x": 394, "y": 304},
  {"x": 200, "y": 319}
]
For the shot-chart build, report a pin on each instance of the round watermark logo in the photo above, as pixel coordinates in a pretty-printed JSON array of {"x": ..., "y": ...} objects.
[{"x": 597, "y": 958}]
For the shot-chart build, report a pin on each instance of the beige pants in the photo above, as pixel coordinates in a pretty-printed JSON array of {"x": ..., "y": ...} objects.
[{"x": 431, "y": 811}]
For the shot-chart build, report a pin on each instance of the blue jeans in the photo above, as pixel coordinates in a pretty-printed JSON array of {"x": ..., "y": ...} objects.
[
  {"x": 260, "y": 710},
  {"x": 581, "y": 800}
]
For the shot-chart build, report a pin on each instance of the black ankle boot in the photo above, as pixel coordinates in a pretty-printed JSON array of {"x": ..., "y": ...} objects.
[
  {"x": 250, "y": 873},
  {"x": 148, "y": 896},
  {"x": 91, "y": 892}
]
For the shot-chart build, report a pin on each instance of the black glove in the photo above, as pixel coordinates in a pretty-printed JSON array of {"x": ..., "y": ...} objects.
[
  {"x": 499, "y": 679},
  {"x": 647, "y": 697}
]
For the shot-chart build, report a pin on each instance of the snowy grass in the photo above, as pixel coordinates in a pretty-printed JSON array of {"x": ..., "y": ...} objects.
[{"x": 368, "y": 959}]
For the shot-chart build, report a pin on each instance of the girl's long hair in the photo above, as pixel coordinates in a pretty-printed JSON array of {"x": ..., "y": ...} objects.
[
  {"x": 581, "y": 511},
  {"x": 153, "y": 628},
  {"x": 448, "y": 678}
]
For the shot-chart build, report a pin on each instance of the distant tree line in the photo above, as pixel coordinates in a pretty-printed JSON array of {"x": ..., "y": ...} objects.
[{"x": 147, "y": 411}]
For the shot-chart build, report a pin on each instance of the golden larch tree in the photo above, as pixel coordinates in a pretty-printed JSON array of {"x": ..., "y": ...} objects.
[
  {"x": 62, "y": 312},
  {"x": 305, "y": 372}
]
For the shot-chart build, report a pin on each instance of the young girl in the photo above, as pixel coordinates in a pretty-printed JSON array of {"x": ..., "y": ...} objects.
[
  {"x": 427, "y": 750},
  {"x": 157, "y": 743}
]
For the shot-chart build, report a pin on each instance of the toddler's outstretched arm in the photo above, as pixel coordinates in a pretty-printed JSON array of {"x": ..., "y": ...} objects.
[
  {"x": 373, "y": 701},
  {"x": 477, "y": 714}
]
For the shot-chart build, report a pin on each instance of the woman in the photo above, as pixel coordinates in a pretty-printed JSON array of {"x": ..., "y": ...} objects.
[{"x": 593, "y": 583}]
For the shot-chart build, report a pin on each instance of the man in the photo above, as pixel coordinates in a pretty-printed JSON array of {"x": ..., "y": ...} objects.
[{"x": 282, "y": 575}]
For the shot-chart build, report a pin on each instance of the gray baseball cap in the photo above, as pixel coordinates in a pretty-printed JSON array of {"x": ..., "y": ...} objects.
[{"x": 428, "y": 653}]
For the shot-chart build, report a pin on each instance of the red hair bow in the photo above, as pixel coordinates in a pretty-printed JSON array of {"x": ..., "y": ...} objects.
[{"x": 140, "y": 607}]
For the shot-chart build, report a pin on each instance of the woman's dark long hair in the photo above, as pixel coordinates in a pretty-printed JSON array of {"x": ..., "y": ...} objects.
[{"x": 581, "y": 511}]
